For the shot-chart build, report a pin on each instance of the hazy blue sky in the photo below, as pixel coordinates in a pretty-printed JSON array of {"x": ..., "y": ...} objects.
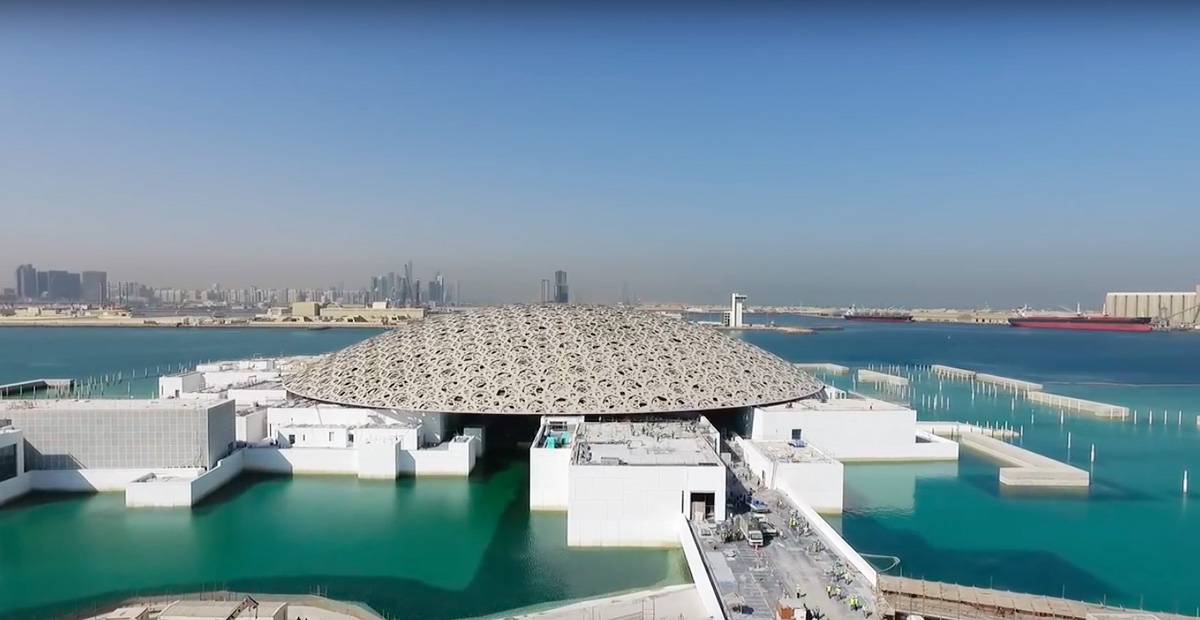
[{"x": 920, "y": 154}]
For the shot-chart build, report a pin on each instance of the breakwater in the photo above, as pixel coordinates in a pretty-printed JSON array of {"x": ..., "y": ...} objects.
[
  {"x": 833, "y": 369},
  {"x": 872, "y": 376},
  {"x": 1068, "y": 403}
]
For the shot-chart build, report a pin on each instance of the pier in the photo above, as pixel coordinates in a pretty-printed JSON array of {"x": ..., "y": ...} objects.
[
  {"x": 1103, "y": 410},
  {"x": 1025, "y": 468},
  {"x": 1015, "y": 384},
  {"x": 952, "y": 372},
  {"x": 871, "y": 376},
  {"x": 944, "y": 601},
  {"x": 954, "y": 430},
  {"x": 833, "y": 369},
  {"x": 35, "y": 385}
]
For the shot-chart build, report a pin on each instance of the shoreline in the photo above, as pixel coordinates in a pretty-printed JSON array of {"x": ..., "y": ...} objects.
[
  {"x": 674, "y": 598},
  {"x": 144, "y": 325}
]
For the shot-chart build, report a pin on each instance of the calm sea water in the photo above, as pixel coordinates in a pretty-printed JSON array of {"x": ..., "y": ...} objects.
[
  {"x": 1132, "y": 539},
  {"x": 413, "y": 549}
]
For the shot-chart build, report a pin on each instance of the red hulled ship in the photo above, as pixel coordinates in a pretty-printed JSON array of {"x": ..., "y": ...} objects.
[{"x": 1092, "y": 322}]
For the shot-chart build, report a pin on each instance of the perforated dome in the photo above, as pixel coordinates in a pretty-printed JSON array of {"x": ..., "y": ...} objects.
[{"x": 552, "y": 359}]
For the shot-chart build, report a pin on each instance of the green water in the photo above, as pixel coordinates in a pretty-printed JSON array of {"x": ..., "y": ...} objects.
[
  {"x": 425, "y": 548},
  {"x": 413, "y": 549},
  {"x": 409, "y": 549}
]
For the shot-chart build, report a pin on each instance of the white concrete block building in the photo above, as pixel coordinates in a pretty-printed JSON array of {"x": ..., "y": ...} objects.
[
  {"x": 14, "y": 481},
  {"x": 550, "y": 462},
  {"x": 850, "y": 428},
  {"x": 628, "y": 483},
  {"x": 806, "y": 471}
]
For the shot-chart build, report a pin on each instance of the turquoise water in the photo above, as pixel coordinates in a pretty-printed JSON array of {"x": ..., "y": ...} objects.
[
  {"x": 414, "y": 549},
  {"x": 1131, "y": 539}
]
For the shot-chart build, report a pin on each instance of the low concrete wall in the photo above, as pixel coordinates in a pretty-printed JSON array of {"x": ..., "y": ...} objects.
[
  {"x": 453, "y": 458},
  {"x": 1015, "y": 384},
  {"x": 97, "y": 480},
  {"x": 302, "y": 460},
  {"x": 1103, "y": 410},
  {"x": 13, "y": 488},
  {"x": 701, "y": 576},
  {"x": 1026, "y": 468},
  {"x": 872, "y": 376},
  {"x": 153, "y": 492},
  {"x": 831, "y": 538},
  {"x": 916, "y": 452},
  {"x": 952, "y": 372},
  {"x": 833, "y": 369}
]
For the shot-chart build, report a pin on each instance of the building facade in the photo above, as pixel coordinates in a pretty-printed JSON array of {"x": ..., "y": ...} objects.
[
  {"x": 123, "y": 434},
  {"x": 94, "y": 286},
  {"x": 1176, "y": 309},
  {"x": 560, "y": 287},
  {"x": 27, "y": 282}
]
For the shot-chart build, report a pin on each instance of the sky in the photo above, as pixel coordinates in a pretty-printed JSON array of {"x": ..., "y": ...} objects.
[{"x": 956, "y": 154}]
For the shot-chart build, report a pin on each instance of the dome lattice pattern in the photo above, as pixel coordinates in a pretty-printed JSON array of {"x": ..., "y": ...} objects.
[{"x": 552, "y": 360}]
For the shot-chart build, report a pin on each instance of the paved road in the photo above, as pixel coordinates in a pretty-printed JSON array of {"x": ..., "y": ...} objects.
[{"x": 793, "y": 560}]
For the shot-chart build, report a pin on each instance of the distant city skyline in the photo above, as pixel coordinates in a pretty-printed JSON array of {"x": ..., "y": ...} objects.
[{"x": 936, "y": 155}]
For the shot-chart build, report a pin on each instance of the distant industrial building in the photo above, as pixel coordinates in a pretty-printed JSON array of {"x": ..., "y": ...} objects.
[{"x": 1177, "y": 309}]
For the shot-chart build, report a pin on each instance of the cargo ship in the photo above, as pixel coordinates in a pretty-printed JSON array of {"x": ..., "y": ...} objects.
[
  {"x": 878, "y": 316},
  {"x": 1091, "y": 322}
]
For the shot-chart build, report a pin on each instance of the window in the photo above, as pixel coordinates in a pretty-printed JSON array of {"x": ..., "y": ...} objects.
[
  {"x": 8, "y": 462},
  {"x": 330, "y": 436}
]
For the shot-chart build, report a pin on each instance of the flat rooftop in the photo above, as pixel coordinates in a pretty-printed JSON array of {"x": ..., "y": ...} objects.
[
  {"x": 838, "y": 404},
  {"x": 784, "y": 452},
  {"x": 250, "y": 385},
  {"x": 111, "y": 404},
  {"x": 216, "y": 610},
  {"x": 643, "y": 443}
]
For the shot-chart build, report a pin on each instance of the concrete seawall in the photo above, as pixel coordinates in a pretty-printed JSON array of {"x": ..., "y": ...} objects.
[
  {"x": 1015, "y": 384},
  {"x": 1103, "y": 410},
  {"x": 952, "y": 372},
  {"x": 1025, "y": 468},
  {"x": 871, "y": 376},
  {"x": 35, "y": 385},
  {"x": 833, "y": 369}
]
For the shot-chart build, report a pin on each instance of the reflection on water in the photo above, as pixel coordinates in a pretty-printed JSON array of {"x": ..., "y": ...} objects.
[{"x": 891, "y": 487}]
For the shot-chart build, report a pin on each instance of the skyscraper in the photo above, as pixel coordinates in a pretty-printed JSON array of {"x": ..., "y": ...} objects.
[
  {"x": 27, "y": 282},
  {"x": 560, "y": 287},
  {"x": 545, "y": 291},
  {"x": 95, "y": 287}
]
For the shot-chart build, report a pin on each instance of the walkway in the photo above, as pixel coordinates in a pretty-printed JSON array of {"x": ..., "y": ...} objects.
[
  {"x": 680, "y": 602},
  {"x": 752, "y": 582}
]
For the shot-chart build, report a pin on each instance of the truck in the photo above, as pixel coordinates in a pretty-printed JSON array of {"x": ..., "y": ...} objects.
[{"x": 753, "y": 535}]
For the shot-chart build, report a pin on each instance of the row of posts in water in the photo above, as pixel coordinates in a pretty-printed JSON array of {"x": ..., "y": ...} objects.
[
  {"x": 938, "y": 402},
  {"x": 100, "y": 385}
]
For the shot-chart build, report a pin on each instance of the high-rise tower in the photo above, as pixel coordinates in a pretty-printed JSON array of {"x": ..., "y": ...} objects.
[
  {"x": 27, "y": 282},
  {"x": 560, "y": 287}
]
